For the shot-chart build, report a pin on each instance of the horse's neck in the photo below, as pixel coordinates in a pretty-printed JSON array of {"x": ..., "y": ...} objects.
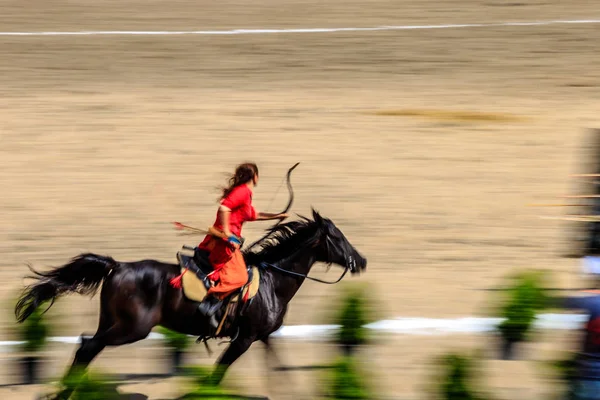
[{"x": 287, "y": 285}]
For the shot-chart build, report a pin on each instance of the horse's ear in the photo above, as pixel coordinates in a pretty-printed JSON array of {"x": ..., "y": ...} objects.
[{"x": 317, "y": 217}]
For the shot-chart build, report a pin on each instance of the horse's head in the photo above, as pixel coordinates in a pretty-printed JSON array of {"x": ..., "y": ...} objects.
[{"x": 334, "y": 248}]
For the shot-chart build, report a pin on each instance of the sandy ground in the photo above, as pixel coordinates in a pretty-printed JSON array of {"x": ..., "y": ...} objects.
[{"x": 106, "y": 139}]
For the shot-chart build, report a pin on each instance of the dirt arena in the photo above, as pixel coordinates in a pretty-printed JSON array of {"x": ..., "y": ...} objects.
[{"x": 107, "y": 139}]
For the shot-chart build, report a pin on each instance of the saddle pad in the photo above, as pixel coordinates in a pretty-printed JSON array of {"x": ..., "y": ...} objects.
[{"x": 194, "y": 289}]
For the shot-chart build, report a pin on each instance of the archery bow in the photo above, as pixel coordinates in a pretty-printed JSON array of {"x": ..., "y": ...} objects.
[
  {"x": 290, "y": 190},
  {"x": 286, "y": 209}
]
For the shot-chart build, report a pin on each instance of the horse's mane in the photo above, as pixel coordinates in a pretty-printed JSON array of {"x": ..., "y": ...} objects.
[{"x": 282, "y": 240}]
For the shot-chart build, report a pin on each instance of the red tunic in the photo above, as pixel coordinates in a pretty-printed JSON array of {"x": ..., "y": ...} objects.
[
  {"x": 229, "y": 265},
  {"x": 239, "y": 201}
]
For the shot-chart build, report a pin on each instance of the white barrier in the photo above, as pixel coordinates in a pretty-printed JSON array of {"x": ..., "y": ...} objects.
[
  {"x": 406, "y": 326},
  {"x": 301, "y": 30}
]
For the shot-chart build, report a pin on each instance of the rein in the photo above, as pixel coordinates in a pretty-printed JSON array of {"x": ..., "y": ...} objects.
[{"x": 264, "y": 264}]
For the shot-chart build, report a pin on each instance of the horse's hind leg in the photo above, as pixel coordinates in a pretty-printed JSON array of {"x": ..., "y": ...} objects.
[
  {"x": 88, "y": 350},
  {"x": 118, "y": 334},
  {"x": 271, "y": 355}
]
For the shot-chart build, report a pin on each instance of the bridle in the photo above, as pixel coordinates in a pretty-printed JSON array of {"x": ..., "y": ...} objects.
[
  {"x": 350, "y": 265},
  {"x": 264, "y": 264}
]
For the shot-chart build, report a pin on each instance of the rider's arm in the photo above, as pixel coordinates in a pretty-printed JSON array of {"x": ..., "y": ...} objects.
[
  {"x": 262, "y": 216},
  {"x": 224, "y": 213}
]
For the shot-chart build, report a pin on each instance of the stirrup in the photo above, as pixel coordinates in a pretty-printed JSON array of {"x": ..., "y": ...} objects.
[
  {"x": 237, "y": 333},
  {"x": 209, "y": 306},
  {"x": 204, "y": 339}
]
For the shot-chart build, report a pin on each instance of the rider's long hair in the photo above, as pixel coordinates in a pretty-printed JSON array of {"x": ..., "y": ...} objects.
[{"x": 244, "y": 173}]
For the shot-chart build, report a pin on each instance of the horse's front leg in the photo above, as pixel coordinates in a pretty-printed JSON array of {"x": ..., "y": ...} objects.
[
  {"x": 272, "y": 356},
  {"x": 233, "y": 352}
]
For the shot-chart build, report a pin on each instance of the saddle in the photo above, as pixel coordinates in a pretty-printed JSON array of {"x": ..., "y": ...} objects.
[
  {"x": 195, "y": 286},
  {"x": 197, "y": 263}
]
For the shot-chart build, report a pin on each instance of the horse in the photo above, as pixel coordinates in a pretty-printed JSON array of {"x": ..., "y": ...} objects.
[{"x": 136, "y": 296}]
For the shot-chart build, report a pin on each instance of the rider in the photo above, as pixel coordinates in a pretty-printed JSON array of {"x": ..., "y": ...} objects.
[{"x": 224, "y": 252}]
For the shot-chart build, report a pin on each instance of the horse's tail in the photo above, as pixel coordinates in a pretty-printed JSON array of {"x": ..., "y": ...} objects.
[{"x": 82, "y": 275}]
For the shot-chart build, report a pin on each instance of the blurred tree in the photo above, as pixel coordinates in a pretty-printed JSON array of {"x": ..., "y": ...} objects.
[
  {"x": 345, "y": 381},
  {"x": 177, "y": 343},
  {"x": 205, "y": 389},
  {"x": 525, "y": 298},
  {"x": 354, "y": 312},
  {"x": 91, "y": 386},
  {"x": 33, "y": 332},
  {"x": 458, "y": 379}
]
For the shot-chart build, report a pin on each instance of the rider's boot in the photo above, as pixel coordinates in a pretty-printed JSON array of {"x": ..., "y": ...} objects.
[{"x": 208, "y": 308}]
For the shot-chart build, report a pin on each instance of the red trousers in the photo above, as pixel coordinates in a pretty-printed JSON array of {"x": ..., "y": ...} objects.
[{"x": 229, "y": 266}]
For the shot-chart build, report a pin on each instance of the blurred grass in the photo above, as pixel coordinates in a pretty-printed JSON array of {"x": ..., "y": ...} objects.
[
  {"x": 174, "y": 340},
  {"x": 92, "y": 385},
  {"x": 203, "y": 388},
  {"x": 458, "y": 378},
  {"x": 35, "y": 330},
  {"x": 524, "y": 298},
  {"x": 347, "y": 379}
]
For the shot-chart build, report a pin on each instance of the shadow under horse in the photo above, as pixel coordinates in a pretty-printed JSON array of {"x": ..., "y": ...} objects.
[{"x": 137, "y": 296}]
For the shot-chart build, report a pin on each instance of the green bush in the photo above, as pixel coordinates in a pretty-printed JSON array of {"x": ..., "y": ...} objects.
[
  {"x": 525, "y": 298},
  {"x": 175, "y": 340},
  {"x": 457, "y": 378},
  {"x": 345, "y": 381},
  {"x": 95, "y": 386},
  {"x": 456, "y": 384},
  {"x": 353, "y": 314},
  {"x": 87, "y": 385},
  {"x": 210, "y": 392},
  {"x": 203, "y": 388},
  {"x": 34, "y": 331}
]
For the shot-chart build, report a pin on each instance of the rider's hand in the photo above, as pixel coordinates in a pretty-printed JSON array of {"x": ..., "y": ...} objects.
[
  {"x": 283, "y": 216},
  {"x": 233, "y": 241}
]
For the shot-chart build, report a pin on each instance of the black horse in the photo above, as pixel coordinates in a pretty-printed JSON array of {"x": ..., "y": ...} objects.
[{"x": 137, "y": 296}]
